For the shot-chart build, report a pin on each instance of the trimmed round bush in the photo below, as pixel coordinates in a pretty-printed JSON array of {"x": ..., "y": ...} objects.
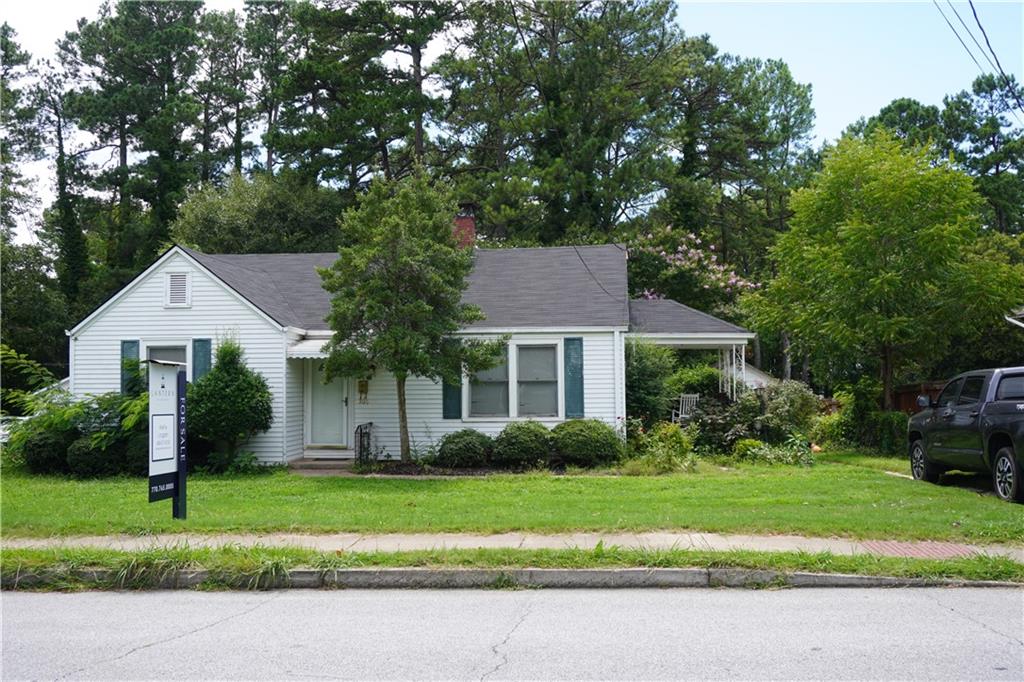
[
  {"x": 465, "y": 449},
  {"x": 585, "y": 443},
  {"x": 46, "y": 451},
  {"x": 522, "y": 444},
  {"x": 87, "y": 461}
]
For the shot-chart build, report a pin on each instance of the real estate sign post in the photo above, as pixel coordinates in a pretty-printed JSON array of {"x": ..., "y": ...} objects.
[{"x": 168, "y": 456}]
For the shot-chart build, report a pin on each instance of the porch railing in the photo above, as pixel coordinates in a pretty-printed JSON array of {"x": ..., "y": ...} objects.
[{"x": 364, "y": 444}]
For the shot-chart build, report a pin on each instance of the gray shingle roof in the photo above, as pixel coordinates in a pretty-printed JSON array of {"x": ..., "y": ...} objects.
[
  {"x": 665, "y": 316},
  {"x": 561, "y": 286}
]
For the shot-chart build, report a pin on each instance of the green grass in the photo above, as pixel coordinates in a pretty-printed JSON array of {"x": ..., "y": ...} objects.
[
  {"x": 830, "y": 499},
  {"x": 900, "y": 465},
  {"x": 256, "y": 567}
]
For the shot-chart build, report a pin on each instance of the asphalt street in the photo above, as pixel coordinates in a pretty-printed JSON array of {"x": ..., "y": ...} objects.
[{"x": 526, "y": 634}]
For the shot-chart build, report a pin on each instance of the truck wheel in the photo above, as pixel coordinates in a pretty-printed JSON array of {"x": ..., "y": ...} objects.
[
  {"x": 1006, "y": 476},
  {"x": 920, "y": 466}
]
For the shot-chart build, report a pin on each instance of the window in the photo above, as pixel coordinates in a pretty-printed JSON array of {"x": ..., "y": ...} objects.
[
  {"x": 971, "y": 392},
  {"x": 948, "y": 395},
  {"x": 488, "y": 392},
  {"x": 537, "y": 367},
  {"x": 167, "y": 353},
  {"x": 1011, "y": 388},
  {"x": 178, "y": 292}
]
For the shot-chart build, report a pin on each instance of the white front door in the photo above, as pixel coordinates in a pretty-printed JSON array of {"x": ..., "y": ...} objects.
[{"x": 328, "y": 409}]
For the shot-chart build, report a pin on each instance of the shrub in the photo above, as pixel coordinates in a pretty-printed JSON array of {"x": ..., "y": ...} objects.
[
  {"x": 744, "y": 446},
  {"x": 43, "y": 451},
  {"x": 522, "y": 444},
  {"x": 465, "y": 449},
  {"x": 721, "y": 423},
  {"x": 886, "y": 431},
  {"x": 136, "y": 454},
  {"x": 789, "y": 407},
  {"x": 669, "y": 449},
  {"x": 230, "y": 404},
  {"x": 87, "y": 459},
  {"x": 647, "y": 367},
  {"x": 792, "y": 452},
  {"x": 827, "y": 429},
  {"x": 700, "y": 379},
  {"x": 585, "y": 443}
]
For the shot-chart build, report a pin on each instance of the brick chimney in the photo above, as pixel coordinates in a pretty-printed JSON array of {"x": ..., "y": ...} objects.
[{"x": 465, "y": 224}]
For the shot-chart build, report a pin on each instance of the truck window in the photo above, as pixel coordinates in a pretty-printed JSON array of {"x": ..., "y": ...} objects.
[
  {"x": 948, "y": 396},
  {"x": 1011, "y": 388},
  {"x": 971, "y": 392}
]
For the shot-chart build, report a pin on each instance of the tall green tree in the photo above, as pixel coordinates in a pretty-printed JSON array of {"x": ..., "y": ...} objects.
[
  {"x": 878, "y": 265},
  {"x": 34, "y": 316},
  {"x": 583, "y": 137},
  {"x": 17, "y": 123},
  {"x": 341, "y": 117},
  {"x": 62, "y": 226},
  {"x": 235, "y": 217},
  {"x": 989, "y": 147},
  {"x": 396, "y": 292},
  {"x": 135, "y": 64},
  {"x": 271, "y": 39},
  {"x": 223, "y": 74}
]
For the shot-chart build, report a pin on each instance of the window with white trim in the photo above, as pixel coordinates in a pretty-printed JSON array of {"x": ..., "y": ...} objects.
[
  {"x": 488, "y": 391},
  {"x": 177, "y": 290},
  {"x": 537, "y": 388}
]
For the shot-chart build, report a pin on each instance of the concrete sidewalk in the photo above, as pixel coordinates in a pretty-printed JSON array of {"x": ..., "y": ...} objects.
[{"x": 354, "y": 542}]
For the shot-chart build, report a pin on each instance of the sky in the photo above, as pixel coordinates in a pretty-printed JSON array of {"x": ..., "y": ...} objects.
[
  {"x": 860, "y": 56},
  {"x": 857, "y": 56}
]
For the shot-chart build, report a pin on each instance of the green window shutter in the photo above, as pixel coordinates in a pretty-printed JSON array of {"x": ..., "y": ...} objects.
[
  {"x": 573, "y": 350},
  {"x": 129, "y": 354},
  {"x": 201, "y": 358},
  {"x": 451, "y": 401}
]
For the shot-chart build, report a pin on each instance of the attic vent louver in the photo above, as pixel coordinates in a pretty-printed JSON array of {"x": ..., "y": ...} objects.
[{"x": 179, "y": 293}]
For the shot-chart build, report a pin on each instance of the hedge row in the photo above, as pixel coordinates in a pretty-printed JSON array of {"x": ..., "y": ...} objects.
[{"x": 526, "y": 444}]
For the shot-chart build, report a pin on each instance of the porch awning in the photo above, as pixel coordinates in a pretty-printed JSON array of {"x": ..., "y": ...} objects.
[{"x": 307, "y": 348}]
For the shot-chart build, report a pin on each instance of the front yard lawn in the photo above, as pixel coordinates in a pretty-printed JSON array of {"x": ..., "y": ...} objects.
[{"x": 829, "y": 499}]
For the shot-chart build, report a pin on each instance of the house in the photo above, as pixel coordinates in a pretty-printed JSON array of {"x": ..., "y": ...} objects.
[{"x": 565, "y": 310}]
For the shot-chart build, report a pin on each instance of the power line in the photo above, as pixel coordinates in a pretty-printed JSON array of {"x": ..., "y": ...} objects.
[
  {"x": 971, "y": 34},
  {"x": 970, "y": 54},
  {"x": 953, "y": 29},
  {"x": 596, "y": 280},
  {"x": 1006, "y": 80}
]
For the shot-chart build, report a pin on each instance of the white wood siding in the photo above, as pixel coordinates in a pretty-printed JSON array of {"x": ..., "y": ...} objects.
[
  {"x": 423, "y": 399},
  {"x": 294, "y": 408},
  {"x": 215, "y": 312}
]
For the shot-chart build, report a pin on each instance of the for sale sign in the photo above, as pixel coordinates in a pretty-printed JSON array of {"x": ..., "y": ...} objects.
[{"x": 167, "y": 451}]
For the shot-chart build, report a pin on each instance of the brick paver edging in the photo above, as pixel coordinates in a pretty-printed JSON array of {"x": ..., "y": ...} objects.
[{"x": 476, "y": 578}]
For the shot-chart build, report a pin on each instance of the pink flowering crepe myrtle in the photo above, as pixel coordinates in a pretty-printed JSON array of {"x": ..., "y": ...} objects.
[{"x": 691, "y": 257}]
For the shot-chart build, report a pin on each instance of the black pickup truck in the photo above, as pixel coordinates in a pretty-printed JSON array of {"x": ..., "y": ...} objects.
[{"x": 977, "y": 424}]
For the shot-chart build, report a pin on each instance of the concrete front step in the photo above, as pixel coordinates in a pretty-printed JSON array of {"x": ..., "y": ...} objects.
[{"x": 321, "y": 464}]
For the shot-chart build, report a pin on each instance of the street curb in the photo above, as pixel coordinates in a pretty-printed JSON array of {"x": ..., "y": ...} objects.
[{"x": 478, "y": 578}]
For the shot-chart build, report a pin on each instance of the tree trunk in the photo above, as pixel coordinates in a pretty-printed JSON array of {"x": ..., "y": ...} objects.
[
  {"x": 417, "y": 75},
  {"x": 805, "y": 370},
  {"x": 267, "y": 140},
  {"x": 204, "y": 166},
  {"x": 757, "y": 352},
  {"x": 888, "y": 397},
  {"x": 403, "y": 419},
  {"x": 237, "y": 140},
  {"x": 787, "y": 358}
]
